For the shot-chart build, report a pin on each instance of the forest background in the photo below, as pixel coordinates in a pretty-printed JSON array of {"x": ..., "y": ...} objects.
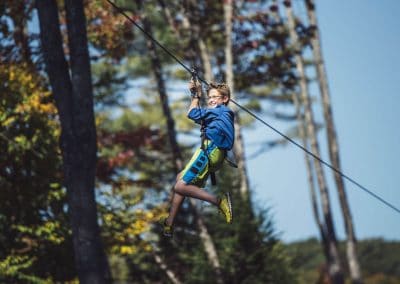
[{"x": 94, "y": 130}]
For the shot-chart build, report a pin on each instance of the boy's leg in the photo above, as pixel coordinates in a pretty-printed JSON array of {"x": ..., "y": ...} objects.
[
  {"x": 224, "y": 203},
  {"x": 196, "y": 169},
  {"x": 196, "y": 192},
  {"x": 176, "y": 202}
]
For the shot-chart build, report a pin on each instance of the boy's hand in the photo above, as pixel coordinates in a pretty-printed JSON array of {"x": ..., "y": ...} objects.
[{"x": 195, "y": 88}]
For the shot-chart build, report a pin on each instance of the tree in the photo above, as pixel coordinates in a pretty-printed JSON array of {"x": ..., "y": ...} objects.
[
  {"x": 35, "y": 242},
  {"x": 74, "y": 101},
  {"x": 329, "y": 236},
  {"x": 378, "y": 258},
  {"x": 352, "y": 259},
  {"x": 16, "y": 47},
  {"x": 239, "y": 144}
]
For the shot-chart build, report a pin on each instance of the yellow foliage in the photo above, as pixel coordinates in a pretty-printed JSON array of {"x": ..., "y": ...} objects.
[
  {"x": 12, "y": 264},
  {"x": 8, "y": 121},
  {"x": 22, "y": 81},
  {"x": 138, "y": 227},
  {"x": 128, "y": 239},
  {"x": 56, "y": 193},
  {"x": 127, "y": 250},
  {"x": 148, "y": 247},
  {"x": 99, "y": 120},
  {"x": 120, "y": 238},
  {"x": 108, "y": 218},
  {"x": 26, "y": 99},
  {"x": 48, "y": 231},
  {"x": 35, "y": 103},
  {"x": 20, "y": 139}
]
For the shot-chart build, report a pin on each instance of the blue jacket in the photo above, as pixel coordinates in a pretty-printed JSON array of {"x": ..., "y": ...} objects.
[{"x": 218, "y": 123}]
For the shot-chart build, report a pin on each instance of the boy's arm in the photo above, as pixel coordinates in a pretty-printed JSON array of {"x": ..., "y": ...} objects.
[
  {"x": 194, "y": 103},
  {"x": 195, "y": 89}
]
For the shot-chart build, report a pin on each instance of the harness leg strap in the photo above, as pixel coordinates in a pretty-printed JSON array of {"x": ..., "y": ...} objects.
[{"x": 213, "y": 178}]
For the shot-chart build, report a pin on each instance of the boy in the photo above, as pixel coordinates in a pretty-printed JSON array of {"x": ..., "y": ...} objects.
[{"x": 218, "y": 131}]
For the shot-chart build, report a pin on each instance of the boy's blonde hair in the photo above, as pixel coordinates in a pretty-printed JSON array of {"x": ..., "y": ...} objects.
[{"x": 222, "y": 88}]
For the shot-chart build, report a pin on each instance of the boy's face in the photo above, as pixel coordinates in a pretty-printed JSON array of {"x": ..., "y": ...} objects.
[{"x": 215, "y": 98}]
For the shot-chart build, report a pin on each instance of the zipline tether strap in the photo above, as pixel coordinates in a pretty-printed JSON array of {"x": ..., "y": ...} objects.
[{"x": 258, "y": 118}]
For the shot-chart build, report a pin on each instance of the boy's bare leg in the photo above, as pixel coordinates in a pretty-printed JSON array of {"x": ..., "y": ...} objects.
[
  {"x": 194, "y": 191},
  {"x": 181, "y": 190},
  {"x": 176, "y": 202}
]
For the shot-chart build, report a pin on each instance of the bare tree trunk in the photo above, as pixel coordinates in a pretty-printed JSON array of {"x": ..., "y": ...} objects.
[
  {"x": 208, "y": 244},
  {"x": 239, "y": 144},
  {"x": 20, "y": 34},
  {"x": 310, "y": 176},
  {"x": 204, "y": 56},
  {"x": 206, "y": 61},
  {"x": 74, "y": 101},
  {"x": 310, "y": 171},
  {"x": 352, "y": 259},
  {"x": 334, "y": 263},
  {"x": 157, "y": 69},
  {"x": 171, "y": 274},
  {"x": 309, "y": 168},
  {"x": 201, "y": 46}
]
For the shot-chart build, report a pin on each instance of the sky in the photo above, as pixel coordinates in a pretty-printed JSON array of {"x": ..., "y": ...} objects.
[{"x": 360, "y": 45}]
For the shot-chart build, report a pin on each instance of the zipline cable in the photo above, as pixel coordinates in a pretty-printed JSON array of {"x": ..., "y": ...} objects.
[
  {"x": 150, "y": 36},
  {"x": 318, "y": 158},
  {"x": 257, "y": 117}
]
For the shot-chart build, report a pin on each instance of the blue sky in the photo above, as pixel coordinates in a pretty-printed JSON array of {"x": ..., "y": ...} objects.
[{"x": 361, "y": 44}]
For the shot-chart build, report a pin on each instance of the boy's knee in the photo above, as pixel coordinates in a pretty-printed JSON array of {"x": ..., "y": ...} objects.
[{"x": 179, "y": 186}]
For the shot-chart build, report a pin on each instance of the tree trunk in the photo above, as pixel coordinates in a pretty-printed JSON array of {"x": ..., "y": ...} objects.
[
  {"x": 208, "y": 244},
  {"x": 334, "y": 264},
  {"x": 74, "y": 101},
  {"x": 310, "y": 173},
  {"x": 171, "y": 275},
  {"x": 157, "y": 69},
  {"x": 310, "y": 176},
  {"x": 204, "y": 56},
  {"x": 196, "y": 39},
  {"x": 20, "y": 33},
  {"x": 354, "y": 266},
  {"x": 239, "y": 143}
]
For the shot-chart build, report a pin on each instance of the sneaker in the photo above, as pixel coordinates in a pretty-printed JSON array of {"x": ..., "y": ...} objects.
[
  {"x": 225, "y": 206},
  {"x": 167, "y": 229}
]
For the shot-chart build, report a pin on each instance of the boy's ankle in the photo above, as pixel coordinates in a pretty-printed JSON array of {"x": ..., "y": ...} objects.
[{"x": 168, "y": 222}]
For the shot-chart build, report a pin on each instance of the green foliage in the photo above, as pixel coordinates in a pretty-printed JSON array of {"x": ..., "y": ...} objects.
[
  {"x": 379, "y": 256},
  {"x": 11, "y": 267},
  {"x": 108, "y": 83},
  {"x": 250, "y": 250},
  {"x": 32, "y": 215},
  {"x": 378, "y": 260},
  {"x": 129, "y": 197},
  {"x": 109, "y": 33}
]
